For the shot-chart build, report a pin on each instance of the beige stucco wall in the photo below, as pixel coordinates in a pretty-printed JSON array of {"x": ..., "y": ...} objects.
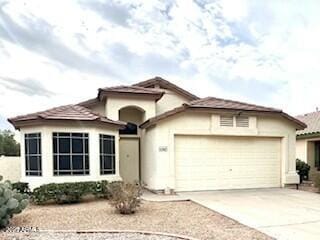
[
  {"x": 10, "y": 168},
  {"x": 169, "y": 101},
  {"x": 131, "y": 115},
  {"x": 195, "y": 123},
  {"x": 99, "y": 108},
  {"x": 47, "y": 153},
  {"x": 148, "y": 155},
  {"x": 114, "y": 104},
  {"x": 301, "y": 149}
]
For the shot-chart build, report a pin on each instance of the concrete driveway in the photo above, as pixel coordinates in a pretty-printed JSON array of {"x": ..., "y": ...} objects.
[{"x": 280, "y": 213}]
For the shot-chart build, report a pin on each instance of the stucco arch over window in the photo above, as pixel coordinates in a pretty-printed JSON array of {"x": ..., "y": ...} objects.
[{"x": 114, "y": 105}]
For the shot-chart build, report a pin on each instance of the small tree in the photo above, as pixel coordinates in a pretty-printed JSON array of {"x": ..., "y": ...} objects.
[
  {"x": 8, "y": 145},
  {"x": 302, "y": 169}
]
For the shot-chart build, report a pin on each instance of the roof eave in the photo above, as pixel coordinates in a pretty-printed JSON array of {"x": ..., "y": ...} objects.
[
  {"x": 42, "y": 121},
  {"x": 153, "y": 121},
  {"x": 104, "y": 94}
]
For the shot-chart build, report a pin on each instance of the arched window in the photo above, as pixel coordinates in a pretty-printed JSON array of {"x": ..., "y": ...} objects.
[{"x": 130, "y": 129}]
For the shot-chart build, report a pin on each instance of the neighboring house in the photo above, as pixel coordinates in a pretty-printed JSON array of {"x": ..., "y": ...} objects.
[
  {"x": 168, "y": 138},
  {"x": 308, "y": 142}
]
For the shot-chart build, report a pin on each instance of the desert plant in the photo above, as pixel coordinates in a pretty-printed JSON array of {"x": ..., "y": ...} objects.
[
  {"x": 101, "y": 190},
  {"x": 11, "y": 202},
  {"x": 21, "y": 187},
  {"x": 125, "y": 197},
  {"x": 70, "y": 192},
  {"x": 302, "y": 169}
]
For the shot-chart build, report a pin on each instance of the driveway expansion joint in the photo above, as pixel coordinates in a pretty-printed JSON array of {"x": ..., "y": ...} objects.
[{"x": 289, "y": 224}]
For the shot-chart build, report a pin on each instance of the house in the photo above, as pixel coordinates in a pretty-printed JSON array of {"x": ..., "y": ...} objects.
[
  {"x": 163, "y": 135},
  {"x": 308, "y": 142}
]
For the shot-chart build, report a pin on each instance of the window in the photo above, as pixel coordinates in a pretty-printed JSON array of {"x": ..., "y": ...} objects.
[
  {"x": 317, "y": 154},
  {"x": 33, "y": 154},
  {"x": 70, "y": 154},
  {"x": 242, "y": 121},
  {"x": 107, "y": 154},
  {"x": 130, "y": 129},
  {"x": 226, "y": 121}
]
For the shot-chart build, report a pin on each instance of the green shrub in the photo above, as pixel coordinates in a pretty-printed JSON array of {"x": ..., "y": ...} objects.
[
  {"x": 11, "y": 202},
  {"x": 102, "y": 190},
  {"x": 302, "y": 169},
  {"x": 71, "y": 192},
  {"x": 21, "y": 187},
  {"x": 125, "y": 197}
]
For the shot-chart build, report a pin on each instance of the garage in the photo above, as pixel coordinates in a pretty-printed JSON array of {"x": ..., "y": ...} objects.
[{"x": 225, "y": 162}]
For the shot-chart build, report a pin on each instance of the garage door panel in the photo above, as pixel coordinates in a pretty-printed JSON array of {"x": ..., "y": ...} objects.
[{"x": 209, "y": 163}]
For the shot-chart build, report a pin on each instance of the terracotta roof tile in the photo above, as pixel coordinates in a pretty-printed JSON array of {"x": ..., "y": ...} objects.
[
  {"x": 219, "y": 103},
  {"x": 166, "y": 84},
  {"x": 312, "y": 120},
  {"x": 131, "y": 89},
  {"x": 67, "y": 112}
]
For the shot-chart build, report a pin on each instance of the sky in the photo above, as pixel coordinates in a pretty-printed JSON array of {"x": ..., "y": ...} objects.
[{"x": 54, "y": 53}]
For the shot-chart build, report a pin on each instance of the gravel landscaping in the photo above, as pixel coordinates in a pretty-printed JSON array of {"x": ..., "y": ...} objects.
[
  {"x": 90, "y": 236},
  {"x": 183, "y": 218}
]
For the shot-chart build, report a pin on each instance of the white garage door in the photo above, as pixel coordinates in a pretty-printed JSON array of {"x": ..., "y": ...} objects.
[{"x": 211, "y": 163}]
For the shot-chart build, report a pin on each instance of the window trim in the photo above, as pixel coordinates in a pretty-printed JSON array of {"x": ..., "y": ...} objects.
[
  {"x": 103, "y": 170},
  {"x": 27, "y": 155},
  {"x": 85, "y": 156}
]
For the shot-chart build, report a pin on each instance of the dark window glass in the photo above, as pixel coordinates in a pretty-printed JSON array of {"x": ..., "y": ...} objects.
[
  {"x": 86, "y": 163},
  {"x": 77, "y": 145},
  {"x": 33, "y": 146},
  {"x": 130, "y": 129},
  {"x": 107, "y": 154},
  {"x": 317, "y": 154},
  {"x": 55, "y": 144},
  {"x": 71, "y": 153},
  {"x": 33, "y": 154},
  {"x": 77, "y": 162},
  {"x": 33, "y": 161},
  {"x": 55, "y": 162},
  {"x": 64, "y": 144},
  {"x": 107, "y": 146},
  {"x": 64, "y": 162},
  {"x": 77, "y": 135},
  {"x": 108, "y": 160}
]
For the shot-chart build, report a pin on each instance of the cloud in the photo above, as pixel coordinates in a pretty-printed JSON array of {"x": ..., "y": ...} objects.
[
  {"x": 251, "y": 88},
  {"x": 262, "y": 52},
  {"x": 4, "y": 124},
  {"x": 110, "y": 10},
  {"x": 29, "y": 87},
  {"x": 150, "y": 63},
  {"x": 37, "y": 35}
]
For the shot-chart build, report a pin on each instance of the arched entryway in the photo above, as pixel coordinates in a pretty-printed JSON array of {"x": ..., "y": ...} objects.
[{"x": 130, "y": 143}]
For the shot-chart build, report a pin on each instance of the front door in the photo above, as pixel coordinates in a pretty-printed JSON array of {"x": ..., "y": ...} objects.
[{"x": 129, "y": 159}]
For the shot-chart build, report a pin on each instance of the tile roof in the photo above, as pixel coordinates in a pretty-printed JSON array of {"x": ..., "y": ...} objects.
[
  {"x": 220, "y": 104},
  {"x": 166, "y": 84},
  {"x": 131, "y": 89},
  {"x": 67, "y": 112},
  {"x": 312, "y": 120}
]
